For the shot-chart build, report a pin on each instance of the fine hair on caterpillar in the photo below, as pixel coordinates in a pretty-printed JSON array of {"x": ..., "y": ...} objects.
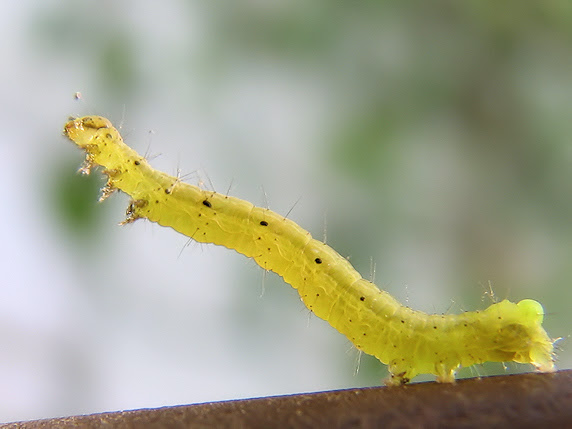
[{"x": 410, "y": 342}]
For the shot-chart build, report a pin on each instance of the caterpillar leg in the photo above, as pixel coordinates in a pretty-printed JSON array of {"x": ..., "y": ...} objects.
[
  {"x": 445, "y": 374},
  {"x": 396, "y": 379},
  {"x": 400, "y": 372}
]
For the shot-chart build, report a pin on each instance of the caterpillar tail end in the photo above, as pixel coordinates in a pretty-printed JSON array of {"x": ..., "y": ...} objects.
[
  {"x": 540, "y": 351},
  {"x": 545, "y": 362}
]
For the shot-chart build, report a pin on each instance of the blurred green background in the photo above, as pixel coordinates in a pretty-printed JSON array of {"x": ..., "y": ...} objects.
[{"x": 428, "y": 140}]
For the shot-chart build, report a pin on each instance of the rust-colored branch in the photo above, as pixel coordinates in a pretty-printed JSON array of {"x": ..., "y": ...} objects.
[{"x": 523, "y": 401}]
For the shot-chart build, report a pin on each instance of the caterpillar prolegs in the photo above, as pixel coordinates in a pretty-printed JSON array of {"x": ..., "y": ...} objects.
[{"x": 410, "y": 342}]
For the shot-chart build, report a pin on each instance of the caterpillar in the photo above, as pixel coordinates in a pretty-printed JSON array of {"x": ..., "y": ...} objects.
[{"x": 410, "y": 342}]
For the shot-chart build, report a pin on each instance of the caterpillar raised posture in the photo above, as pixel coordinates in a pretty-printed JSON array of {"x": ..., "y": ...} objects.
[{"x": 410, "y": 342}]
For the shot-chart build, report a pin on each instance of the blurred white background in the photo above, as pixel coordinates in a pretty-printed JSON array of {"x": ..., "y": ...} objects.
[{"x": 430, "y": 139}]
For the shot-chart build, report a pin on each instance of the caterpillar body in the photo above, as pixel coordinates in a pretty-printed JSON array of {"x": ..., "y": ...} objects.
[{"x": 410, "y": 342}]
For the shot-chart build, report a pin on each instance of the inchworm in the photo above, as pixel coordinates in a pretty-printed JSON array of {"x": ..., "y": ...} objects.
[{"x": 410, "y": 342}]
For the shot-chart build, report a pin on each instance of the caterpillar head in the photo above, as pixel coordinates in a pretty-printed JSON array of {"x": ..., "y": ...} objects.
[
  {"x": 83, "y": 130},
  {"x": 102, "y": 143}
]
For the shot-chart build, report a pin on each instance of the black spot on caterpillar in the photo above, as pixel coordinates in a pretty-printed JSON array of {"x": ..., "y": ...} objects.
[{"x": 410, "y": 342}]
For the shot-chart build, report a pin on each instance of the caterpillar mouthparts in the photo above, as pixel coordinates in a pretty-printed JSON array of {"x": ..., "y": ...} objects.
[{"x": 410, "y": 342}]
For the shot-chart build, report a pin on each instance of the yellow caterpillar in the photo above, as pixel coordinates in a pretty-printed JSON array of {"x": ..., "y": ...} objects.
[{"x": 410, "y": 342}]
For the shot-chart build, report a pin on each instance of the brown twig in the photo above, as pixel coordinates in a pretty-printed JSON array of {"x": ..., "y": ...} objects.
[{"x": 523, "y": 401}]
